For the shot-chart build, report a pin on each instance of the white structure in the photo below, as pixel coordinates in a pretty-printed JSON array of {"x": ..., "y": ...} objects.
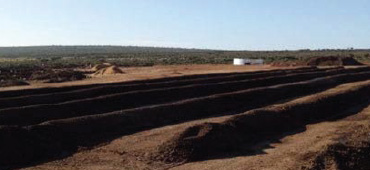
[{"x": 240, "y": 61}]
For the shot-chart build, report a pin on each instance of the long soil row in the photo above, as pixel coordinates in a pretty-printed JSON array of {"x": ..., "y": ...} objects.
[
  {"x": 181, "y": 79},
  {"x": 209, "y": 140},
  {"x": 52, "y": 138},
  {"x": 47, "y": 131},
  {"x": 89, "y": 92},
  {"x": 38, "y": 113}
]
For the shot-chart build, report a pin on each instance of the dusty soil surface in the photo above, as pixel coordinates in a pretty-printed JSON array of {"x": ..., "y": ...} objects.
[
  {"x": 333, "y": 61},
  {"x": 290, "y": 153},
  {"x": 142, "y": 73},
  {"x": 294, "y": 150},
  {"x": 271, "y": 119}
]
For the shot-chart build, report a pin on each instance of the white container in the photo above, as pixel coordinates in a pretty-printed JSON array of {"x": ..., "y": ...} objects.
[{"x": 239, "y": 61}]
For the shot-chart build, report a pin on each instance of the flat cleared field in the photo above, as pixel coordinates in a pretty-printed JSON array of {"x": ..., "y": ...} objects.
[{"x": 192, "y": 117}]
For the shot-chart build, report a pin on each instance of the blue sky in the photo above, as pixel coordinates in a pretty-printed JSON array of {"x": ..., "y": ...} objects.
[{"x": 212, "y": 24}]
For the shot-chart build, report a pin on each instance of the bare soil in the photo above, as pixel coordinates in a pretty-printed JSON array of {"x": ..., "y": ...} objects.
[
  {"x": 143, "y": 73},
  {"x": 298, "y": 149},
  {"x": 333, "y": 61},
  {"x": 292, "y": 118}
]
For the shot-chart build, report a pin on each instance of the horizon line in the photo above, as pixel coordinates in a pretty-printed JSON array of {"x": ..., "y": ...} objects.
[{"x": 185, "y": 48}]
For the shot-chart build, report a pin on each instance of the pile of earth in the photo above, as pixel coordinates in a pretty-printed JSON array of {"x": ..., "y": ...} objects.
[
  {"x": 101, "y": 66},
  {"x": 350, "y": 151},
  {"x": 333, "y": 61},
  {"x": 107, "y": 69},
  {"x": 57, "y": 76}
]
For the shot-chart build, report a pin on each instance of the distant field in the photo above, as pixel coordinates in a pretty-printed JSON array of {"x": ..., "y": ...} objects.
[{"x": 82, "y": 56}]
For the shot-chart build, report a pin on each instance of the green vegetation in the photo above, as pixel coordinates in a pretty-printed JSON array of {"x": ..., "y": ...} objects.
[{"x": 82, "y": 56}]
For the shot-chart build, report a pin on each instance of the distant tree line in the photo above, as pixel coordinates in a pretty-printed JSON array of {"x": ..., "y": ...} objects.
[{"x": 82, "y": 56}]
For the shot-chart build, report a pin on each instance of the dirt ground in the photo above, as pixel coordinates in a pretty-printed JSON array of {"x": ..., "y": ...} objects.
[
  {"x": 289, "y": 153},
  {"x": 294, "y": 151},
  {"x": 142, "y": 73},
  {"x": 285, "y": 119}
]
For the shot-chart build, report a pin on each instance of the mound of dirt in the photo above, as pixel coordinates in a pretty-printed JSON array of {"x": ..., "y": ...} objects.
[
  {"x": 57, "y": 76},
  {"x": 195, "y": 143},
  {"x": 20, "y": 146},
  {"x": 101, "y": 66},
  {"x": 13, "y": 137},
  {"x": 333, "y": 61},
  {"x": 348, "y": 152},
  {"x": 241, "y": 132},
  {"x": 8, "y": 83},
  {"x": 343, "y": 156},
  {"x": 109, "y": 70}
]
